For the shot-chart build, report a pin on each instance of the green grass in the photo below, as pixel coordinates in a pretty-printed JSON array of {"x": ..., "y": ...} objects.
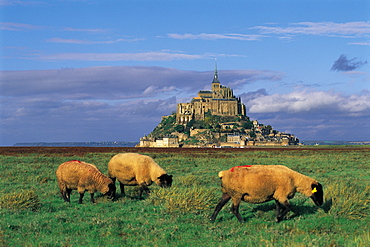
[{"x": 33, "y": 213}]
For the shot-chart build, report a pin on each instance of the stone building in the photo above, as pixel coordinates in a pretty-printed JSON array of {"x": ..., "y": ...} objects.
[
  {"x": 165, "y": 142},
  {"x": 219, "y": 101}
]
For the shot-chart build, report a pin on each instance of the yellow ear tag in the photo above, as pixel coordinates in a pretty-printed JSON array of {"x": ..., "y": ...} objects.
[{"x": 314, "y": 190}]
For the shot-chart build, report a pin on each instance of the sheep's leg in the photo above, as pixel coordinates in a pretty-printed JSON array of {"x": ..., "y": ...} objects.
[
  {"x": 281, "y": 210},
  {"x": 122, "y": 187},
  {"x": 235, "y": 209},
  {"x": 67, "y": 195},
  {"x": 225, "y": 198},
  {"x": 81, "y": 196},
  {"x": 64, "y": 195},
  {"x": 115, "y": 189},
  {"x": 278, "y": 210},
  {"x": 92, "y": 197},
  {"x": 145, "y": 188}
]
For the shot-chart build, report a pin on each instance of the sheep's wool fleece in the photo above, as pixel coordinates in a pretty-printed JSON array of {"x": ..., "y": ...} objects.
[
  {"x": 134, "y": 169},
  {"x": 78, "y": 175},
  {"x": 261, "y": 182}
]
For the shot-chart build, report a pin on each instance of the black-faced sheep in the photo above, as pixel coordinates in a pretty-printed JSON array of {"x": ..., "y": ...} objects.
[
  {"x": 261, "y": 183},
  {"x": 135, "y": 169},
  {"x": 81, "y": 176}
]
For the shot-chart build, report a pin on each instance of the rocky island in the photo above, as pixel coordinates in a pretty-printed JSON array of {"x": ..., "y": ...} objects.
[{"x": 214, "y": 118}]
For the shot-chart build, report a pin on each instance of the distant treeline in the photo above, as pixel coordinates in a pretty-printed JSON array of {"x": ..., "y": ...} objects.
[{"x": 77, "y": 144}]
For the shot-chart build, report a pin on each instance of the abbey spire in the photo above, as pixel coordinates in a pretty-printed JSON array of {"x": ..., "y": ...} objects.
[{"x": 215, "y": 76}]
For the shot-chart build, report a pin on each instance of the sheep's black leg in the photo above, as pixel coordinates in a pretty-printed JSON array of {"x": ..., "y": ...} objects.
[
  {"x": 113, "y": 196},
  {"x": 92, "y": 197},
  {"x": 281, "y": 210},
  {"x": 224, "y": 200},
  {"x": 145, "y": 188},
  {"x": 64, "y": 195},
  {"x": 235, "y": 210},
  {"x": 122, "y": 187},
  {"x": 278, "y": 208},
  {"x": 81, "y": 196},
  {"x": 67, "y": 195}
]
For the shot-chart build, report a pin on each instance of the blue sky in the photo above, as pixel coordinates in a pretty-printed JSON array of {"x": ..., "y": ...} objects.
[{"x": 75, "y": 70}]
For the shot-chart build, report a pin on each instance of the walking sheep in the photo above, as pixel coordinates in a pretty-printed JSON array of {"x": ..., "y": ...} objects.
[
  {"x": 81, "y": 176},
  {"x": 261, "y": 183},
  {"x": 135, "y": 169}
]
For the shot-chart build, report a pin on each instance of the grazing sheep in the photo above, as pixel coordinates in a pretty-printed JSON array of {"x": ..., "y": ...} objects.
[
  {"x": 261, "y": 183},
  {"x": 81, "y": 176},
  {"x": 135, "y": 169}
]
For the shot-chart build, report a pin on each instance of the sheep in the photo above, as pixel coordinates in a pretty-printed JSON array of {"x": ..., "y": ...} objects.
[
  {"x": 261, "y": 183},
  {"x": 81, "y": 176},
  {"x": 135, "y": 169}
]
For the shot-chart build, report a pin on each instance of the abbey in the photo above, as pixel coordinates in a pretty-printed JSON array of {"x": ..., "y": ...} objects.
[
  {"x": 220, "y": 101},
  {"x": 214, "y": 118}
]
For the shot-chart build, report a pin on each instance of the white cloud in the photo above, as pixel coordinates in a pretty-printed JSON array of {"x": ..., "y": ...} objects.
[
  {"x": 360, "y": 43},
  {"x": 315, "y": 115},
  {"x": 356, "y": 104},
  {"x": 12, "y": 26},
  {"x": 308, "y": 102},
  {"x": 145, "y": 56},
  {"x": 155, "y": 90},
  {"x": 212, "y": 36},
  {"x": 91, "y": 30},
  {"x": 20, "y": 2},
  {"x": 87, "y": 42},
  {"x": 347, "y": 30}
]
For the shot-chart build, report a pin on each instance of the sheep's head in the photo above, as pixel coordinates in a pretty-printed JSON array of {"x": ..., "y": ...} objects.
[
  {"x": 317, "y": 194},
  {"x": 110, "y": 191},
  {"x": 165, "y": 181}
]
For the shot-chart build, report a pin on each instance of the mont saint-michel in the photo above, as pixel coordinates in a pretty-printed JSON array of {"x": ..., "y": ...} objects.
[{"x": 215, "y": 118}]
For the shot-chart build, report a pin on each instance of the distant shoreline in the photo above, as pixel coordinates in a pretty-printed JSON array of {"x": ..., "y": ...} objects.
[
  {"x": 77, "y": 144},
  {"x": 336, "y": 142},
  {"x": 133, "y": 144}
]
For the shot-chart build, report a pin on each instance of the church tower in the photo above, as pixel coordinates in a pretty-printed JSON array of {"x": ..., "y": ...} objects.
[
  {"x": 219, "y": 101},
  {"x": 215, "y": 83}
]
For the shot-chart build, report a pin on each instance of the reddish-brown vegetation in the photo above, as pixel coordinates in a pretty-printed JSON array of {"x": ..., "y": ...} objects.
[{"x": 81, "y": 151}]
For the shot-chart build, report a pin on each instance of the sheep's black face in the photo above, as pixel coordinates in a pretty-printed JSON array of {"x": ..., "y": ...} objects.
[
  {"x": 165, "y": 181},
  {"x": 317, "y": 194},
  {"x": 112, "y": 191}
]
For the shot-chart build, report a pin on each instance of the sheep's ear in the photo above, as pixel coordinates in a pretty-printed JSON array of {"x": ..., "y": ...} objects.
[
  {"x": 317, "y": 194},
  {"x": 316, "y": 188}
]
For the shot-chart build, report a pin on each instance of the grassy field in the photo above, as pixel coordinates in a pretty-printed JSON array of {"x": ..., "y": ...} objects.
[{"x": 33, "y": 213}]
